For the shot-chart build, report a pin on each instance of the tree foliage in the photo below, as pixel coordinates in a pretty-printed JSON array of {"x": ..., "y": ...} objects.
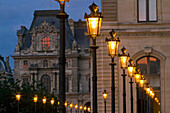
[{"x": 9, "y": 104}]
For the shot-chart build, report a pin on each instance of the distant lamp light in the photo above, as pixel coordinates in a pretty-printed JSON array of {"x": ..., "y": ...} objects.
[
  {"x": 105, "y": 95},
  {"x": 131, "y": 69},
  {"x": 142, "y": 81},
  {"x": 65, "y": 104},
  {"x": 137, "y": 75},
  {"x": 35, "y": 98},
  {"x": 123, "y": 58},
  {"x": 44, "y": 100},
  {"x": 52, "y": 101},
  {"x": 81, "y": 107},
  {"x": 71, "y": 105},
  {"x": 76, "y": 106},
  {"x": 112, "y": 44},
  {"x": 18, "y": 97},
  {"x": 93, "y": 21},
  {"x": 85, "y": 108},
  {"x": 88, "y": 109}
]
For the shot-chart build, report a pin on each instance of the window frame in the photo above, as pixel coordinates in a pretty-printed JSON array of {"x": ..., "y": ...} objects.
[
  {"x": 44, "y": 41},
  {"x": 25, "y": 64},
  {"x": 147, "y": 12},
  {"x": 46, "y": 84}
]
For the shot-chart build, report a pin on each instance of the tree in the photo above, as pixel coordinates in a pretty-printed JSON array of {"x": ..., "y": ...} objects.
[{"x": 9, "y": 104}]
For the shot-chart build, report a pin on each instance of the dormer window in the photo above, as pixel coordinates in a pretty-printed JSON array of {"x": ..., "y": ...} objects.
[
  {"x": 25, "y": 64},
  {"x": 45, "y": 43}
]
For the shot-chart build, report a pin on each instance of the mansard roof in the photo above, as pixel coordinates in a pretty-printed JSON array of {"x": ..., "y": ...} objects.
[
  {"x": 80, "y": 37},
  {"x": 48, "y": 16}
]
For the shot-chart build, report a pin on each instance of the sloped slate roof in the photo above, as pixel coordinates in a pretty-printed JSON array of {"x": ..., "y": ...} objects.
[{"x": 80, "y": 29}]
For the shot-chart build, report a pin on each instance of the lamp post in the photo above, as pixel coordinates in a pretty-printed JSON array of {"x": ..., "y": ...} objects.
[
  {"x": 93, "y": 21},
  {"x": 85, "y": 108},
  {"x": 141, "y": 83},
  {"x": 137, "y": 80},
  {"x": 63, "y": 16},
  {"x": 148, "y": 98},
  {"x": 81, "y": 107},
  {"x": 88, "y": 109},
  {"x": 124, "y": 58},
  {"x": 18, "y": 97},
  {"x": 112, "y": 46},
  {"x": 105, "y": 97},
  {"x": 35, "y": 101},
  {"x": 76, "y": 106},
  {"x": 52, "y": 103},
  {"x": 131, "y": 72},
  {"x": 71, "y": 106},
  {"x": 44, "y": 100}
]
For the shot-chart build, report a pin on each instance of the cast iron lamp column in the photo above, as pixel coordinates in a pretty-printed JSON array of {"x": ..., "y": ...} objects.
[
  {"x": 35, "y": 101},
  {"x": 71, "y": 106},
  {"x": 141, "y": 83},
  {"x": 131, "y": 72},
  {"x": 137, "y": 80},
  {"x": 112, "y": 46},
  {"x": 52, "y": 103},
  {"x": 63, "y": 16},
  {"x": 44, "y": 100},
  {"x": 124, "y": 58},
  {"x": 18, "y": 97},
  {"x": 105, "y": 97},
  {"x": 93, "y": 21},
  {"x": 148, "y": 93}
]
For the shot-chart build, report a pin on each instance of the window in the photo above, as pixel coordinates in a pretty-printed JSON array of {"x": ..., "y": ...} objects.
[
  {"x": 45, "y": 63},
  {"x": 150, "y": 68},
  {"x": 89, "y": 84},
  {"x": 147, "y": 10},
  {"x": 46, "y": 81},
  {"x": 25, "y": 64},
  {"x": 67, "y": 84},
  {"x": 25, "y": 81},
  {"x": 45, "y": 43}
]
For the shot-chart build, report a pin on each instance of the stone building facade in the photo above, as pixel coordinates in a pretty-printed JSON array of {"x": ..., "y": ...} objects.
[
  {"x": 143, "y": 27},
  {"x": 36, "y": 56}
]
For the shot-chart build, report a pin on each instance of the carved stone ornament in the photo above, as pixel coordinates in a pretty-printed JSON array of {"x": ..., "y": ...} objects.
[{"x": 44, "y": 28}]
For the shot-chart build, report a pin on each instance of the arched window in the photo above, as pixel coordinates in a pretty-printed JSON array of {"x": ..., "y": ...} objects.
[
  {"x": 45, "y": 43},
  {"x": 46, "y": 81},
  {"x": 25, "y": 64},
  {"x": 45, "y": 63},
  {"x": 150, "y": 68}
]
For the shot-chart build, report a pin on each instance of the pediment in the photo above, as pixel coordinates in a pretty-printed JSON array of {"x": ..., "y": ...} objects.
[{"x": 45, "y": 27}]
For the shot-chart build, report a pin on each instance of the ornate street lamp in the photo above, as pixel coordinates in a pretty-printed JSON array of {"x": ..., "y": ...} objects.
[
  {"x": 71, "y": 106},
  {"x": 81, "y": 107},
  {"x": 85, "y": 108},
  {"x": 18, "y": 97},
  {"x": 65, "y": 104},
  {"x": 124, "y": 58},
  {"x": 93, "y": 21},
  {"x": 131, "y": 72},
  {"x": 76, "y": 107},
  {"x": 105, "y": 97},
  {"x": 88, "y": 109},
  {"x": 137, "y": 80},
  {"x": 52, "y": 103},
  {"x": 35, "y": 101},
  {"x": 147, "y": 89},
  {"x": 112, "y": 46},
  {"x": 63, "y": 16},
  {"x": 44, "y": 100}
]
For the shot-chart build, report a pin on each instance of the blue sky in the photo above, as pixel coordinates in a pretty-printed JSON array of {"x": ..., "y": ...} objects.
[{"x": 14, "y": 13}]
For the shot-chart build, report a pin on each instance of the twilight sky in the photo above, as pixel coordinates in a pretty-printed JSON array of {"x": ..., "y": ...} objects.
[{"x": 14, "y": 13}]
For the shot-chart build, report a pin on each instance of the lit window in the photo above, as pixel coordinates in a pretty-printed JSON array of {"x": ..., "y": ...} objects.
[
  {"x": 45, "y": 43},
  {"x": 46, "y": 82},
  {"x": 147, "y": 10},
  {"x": 25, "y": 64}
]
